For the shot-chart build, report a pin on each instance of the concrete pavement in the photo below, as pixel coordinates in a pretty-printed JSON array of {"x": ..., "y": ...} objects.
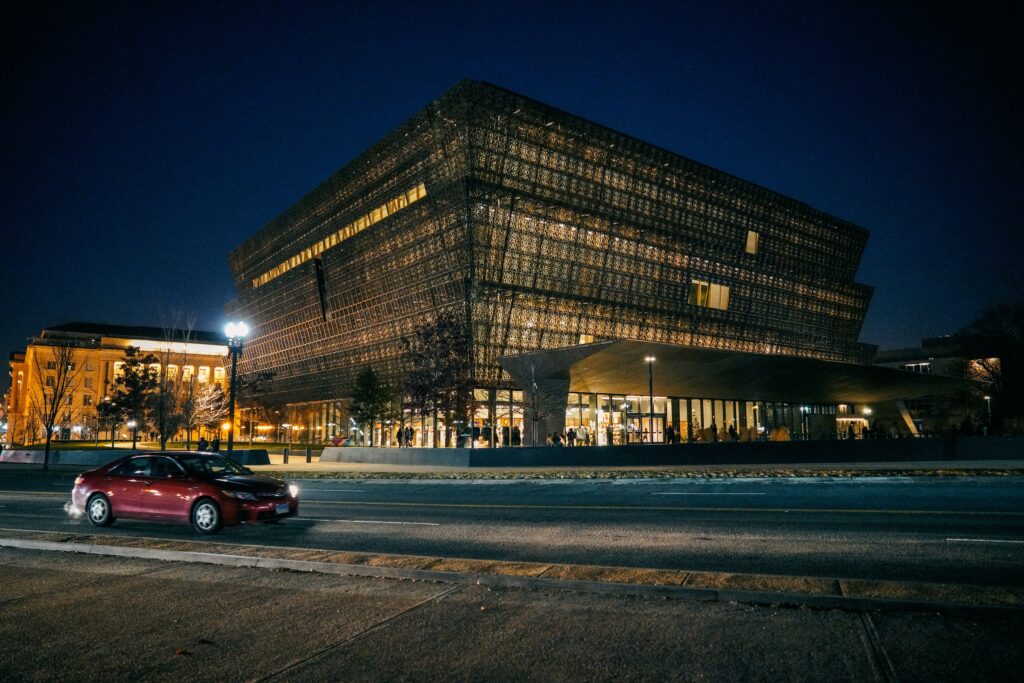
[{"x": 65, "y": 616}]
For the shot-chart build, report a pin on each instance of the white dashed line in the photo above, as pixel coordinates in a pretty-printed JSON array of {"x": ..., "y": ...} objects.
[
  {"x": 369, "y": 521},
  {"x": 983, "y": 540},
  {"x": 705, "y": 494}
]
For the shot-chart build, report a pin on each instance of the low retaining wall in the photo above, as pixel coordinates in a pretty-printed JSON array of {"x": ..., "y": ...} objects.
[
  {"x": 94, "y": 457},
  {"x": 795, "y": 452}
]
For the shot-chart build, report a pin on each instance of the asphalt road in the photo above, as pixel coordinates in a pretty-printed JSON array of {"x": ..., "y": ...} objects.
[{"x": 950, "y": 529}]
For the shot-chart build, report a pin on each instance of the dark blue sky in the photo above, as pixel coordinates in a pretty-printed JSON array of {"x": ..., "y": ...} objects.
[{"x": 143, "y": 141}]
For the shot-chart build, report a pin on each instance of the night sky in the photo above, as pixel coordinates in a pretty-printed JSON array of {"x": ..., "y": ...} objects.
[{"x": 143, "y": 141}]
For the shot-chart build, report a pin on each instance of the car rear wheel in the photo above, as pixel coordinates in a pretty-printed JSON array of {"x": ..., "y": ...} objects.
[
  {"x": 206, "y": 518},
  {"x": 98, "y": 510}
]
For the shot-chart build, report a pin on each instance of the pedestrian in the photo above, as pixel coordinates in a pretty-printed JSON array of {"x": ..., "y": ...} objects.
[
  {"x": 670, "y": 435},
  {"x": 850, "y": 434},
  {"x": 409, "y": 436},
  {"x": 572, "y": 437},
  {"x": 608, "y": 435},
  {"x": 215, "y": 444},
  {"x": 733, "y": 436},
  {"x": 714, "y": 432},
  {"x": 203, "y": 444},
  {"x": 517, "y": 437},
  {"x": 894, "y": 432},
  {"x": 398, "y": 437}
]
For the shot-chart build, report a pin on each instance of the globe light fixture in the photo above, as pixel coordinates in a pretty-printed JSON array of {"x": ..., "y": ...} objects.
[{"x": 235, "y": 332}]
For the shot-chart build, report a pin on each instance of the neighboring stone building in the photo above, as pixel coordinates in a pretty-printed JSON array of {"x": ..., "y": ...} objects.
[
  {"x": 197, "y": 357},
  {"x": 542, "y": 230}
]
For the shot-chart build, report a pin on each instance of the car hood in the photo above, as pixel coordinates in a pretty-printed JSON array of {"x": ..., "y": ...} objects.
[{"x": 251, "y": 481}]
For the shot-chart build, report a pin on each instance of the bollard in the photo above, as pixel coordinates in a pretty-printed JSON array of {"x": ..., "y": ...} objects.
[
  {"x": 285, "y": 455},
  {"x": 309, "y": 454}
]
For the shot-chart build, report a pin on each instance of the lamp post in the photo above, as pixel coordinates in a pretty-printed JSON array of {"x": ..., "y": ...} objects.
[
  {"x": 113, "y": 418},
  {"x": 235, "y": 332},
  {"x": 650, "y": 393},
  {"x": 132, "y": 424},
  {"x": 988, "y": 408}
]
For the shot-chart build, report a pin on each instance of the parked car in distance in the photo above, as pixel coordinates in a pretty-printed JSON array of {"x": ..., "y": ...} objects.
[{"x": 206, "y": 490}]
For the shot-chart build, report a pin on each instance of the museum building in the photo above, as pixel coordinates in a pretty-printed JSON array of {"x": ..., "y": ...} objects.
[{"x": 575, "y": 254}]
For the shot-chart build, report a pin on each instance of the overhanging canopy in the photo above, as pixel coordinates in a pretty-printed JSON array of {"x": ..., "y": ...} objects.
[{"x": 618, "y": 367}]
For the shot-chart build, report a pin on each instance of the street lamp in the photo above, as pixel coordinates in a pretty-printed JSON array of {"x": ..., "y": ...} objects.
[
  {"x": 650, "y": 391},
  {"x": 131, "y": 424},
  {"x": 113, "y": 418},
  {"x": 988, "y": 407},
  {"x": 235, "y": 332}
]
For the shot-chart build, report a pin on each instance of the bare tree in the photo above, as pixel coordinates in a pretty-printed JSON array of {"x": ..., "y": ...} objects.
[
  {"x": 172, "y": 390},
  {"x": 203, "y": 407},
  {"x": 538, "y": 402},
  {"x": 56, "y": 373}
]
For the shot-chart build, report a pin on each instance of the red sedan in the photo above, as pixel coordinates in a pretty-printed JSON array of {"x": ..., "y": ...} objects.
[{"x": 204, "y": 489}]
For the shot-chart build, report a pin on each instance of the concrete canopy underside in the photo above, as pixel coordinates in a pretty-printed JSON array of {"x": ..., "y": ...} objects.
[{"x": 618, "y": 367}]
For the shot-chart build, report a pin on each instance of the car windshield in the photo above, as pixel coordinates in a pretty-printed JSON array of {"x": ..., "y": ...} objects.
[{"x": 211, "y": 466}]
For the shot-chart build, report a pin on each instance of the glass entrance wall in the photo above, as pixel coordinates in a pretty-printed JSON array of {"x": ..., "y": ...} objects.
[{"x": 591, "y": 419}]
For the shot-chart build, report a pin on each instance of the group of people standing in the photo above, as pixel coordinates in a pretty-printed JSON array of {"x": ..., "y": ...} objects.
[
  {"x": 208, "y": 446},
  {"x": 406, "y": 437}
]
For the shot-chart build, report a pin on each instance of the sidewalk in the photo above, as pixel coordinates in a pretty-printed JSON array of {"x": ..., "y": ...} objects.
[
  {"x": 138, "y": 619},
  {"x": 298, "y": 468}
]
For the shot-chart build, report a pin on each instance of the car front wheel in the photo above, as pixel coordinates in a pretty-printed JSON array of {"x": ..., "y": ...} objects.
[
  {"x": 98, "y": 509},
  {"x": 206, "y": 518}
]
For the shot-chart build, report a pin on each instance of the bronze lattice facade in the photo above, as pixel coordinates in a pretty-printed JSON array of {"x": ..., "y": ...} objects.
[{"x": 543, "y": 230}]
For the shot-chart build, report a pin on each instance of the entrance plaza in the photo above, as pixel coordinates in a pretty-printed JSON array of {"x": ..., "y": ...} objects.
[{"x": 600, "y": 395}]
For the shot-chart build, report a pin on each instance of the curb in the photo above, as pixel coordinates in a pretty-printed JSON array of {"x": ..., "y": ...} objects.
[{"x": 851, "y": 603}]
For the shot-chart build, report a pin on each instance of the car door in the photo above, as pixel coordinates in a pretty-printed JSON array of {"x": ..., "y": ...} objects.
[
  {"x": 169, "y": 491},
  {"x": 126, "y": 484}
]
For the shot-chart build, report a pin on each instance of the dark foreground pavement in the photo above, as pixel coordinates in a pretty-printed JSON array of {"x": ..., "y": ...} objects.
[{"x": 68, "y": 616}]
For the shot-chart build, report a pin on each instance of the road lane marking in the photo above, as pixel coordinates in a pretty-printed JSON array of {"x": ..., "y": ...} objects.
[
  {"x": 369, "y": 521},
  {"x": 664, "y": 508},
  {"x": 312, "y": 489},
  {"x": 689, "y": 493},
  {"x": 983, "y": 540}
]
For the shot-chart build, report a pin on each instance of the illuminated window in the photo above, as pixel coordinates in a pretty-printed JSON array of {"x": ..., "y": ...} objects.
[
  {"x": 710, "y": 295},
  {"x": 118, "y": 368},
  {"x": 204, "y": 374},
  {"x": 586, "y": 339},
  {"x": 88, "y": 382},
  {"x": 921, "y": 368},
  {"x": 172, "y": 371},
  {"x": 218, "y": 375},
  {"x": 361, "y": 223},
  {"x": 752, "y": 240},
  {"x": 86, "y": 399},
  {"x": 187, "y": 372}
]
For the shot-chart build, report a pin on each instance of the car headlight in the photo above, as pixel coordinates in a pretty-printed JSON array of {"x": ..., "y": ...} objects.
[
  {"x": 294, "y": 490},
  {"x": 240, "y": 495}
]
